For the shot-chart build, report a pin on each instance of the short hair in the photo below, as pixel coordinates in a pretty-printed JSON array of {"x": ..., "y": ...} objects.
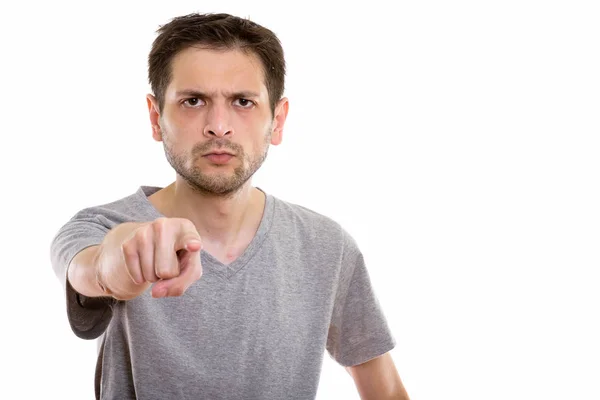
[{"x": 219, "y": 32}]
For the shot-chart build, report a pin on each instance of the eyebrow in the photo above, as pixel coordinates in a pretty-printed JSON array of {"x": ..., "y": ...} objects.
[{"x": 203, "y": 95}]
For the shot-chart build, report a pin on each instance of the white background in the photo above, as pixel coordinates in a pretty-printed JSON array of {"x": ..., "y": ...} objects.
[{"x": 458, "y": 142}]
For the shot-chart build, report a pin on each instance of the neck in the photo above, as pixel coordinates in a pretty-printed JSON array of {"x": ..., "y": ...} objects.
[{"x": 218, "y": 219}]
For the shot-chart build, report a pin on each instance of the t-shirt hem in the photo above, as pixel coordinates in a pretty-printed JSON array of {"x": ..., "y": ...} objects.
[
  {"x": 367, "y": 350},
  {"x": 87, "y": 322}
]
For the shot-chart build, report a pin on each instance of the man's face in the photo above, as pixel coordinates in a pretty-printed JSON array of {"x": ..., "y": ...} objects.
[{"x": 216, "y": 102}]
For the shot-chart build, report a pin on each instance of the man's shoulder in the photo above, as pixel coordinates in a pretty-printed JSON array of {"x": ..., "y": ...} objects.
[
  {"x": 130, "y": 207},
  {"x": 303, "y": 217},
  {"x": 302, "y": 211}
]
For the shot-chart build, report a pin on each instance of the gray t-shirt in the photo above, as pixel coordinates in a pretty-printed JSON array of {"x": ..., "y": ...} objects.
[{"x": 256, "y": 328}]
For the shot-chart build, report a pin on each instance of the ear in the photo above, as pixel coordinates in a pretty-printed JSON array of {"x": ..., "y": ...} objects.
[
  {"x": 281, "y": 112},
  {"x": 153, "y": 109}
]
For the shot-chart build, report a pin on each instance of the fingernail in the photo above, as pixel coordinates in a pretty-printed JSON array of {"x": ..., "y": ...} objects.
[
  {"x": 161, "y": 292},
  {"x": 193, "y": 243}
]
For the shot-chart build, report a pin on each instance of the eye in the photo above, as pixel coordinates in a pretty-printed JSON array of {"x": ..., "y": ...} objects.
[
  {"x": 245, "y": 103},
  {"x": 193, "y": 101}
]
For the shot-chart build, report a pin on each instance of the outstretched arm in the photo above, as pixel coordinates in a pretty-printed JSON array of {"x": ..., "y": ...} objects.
[{"x": 378, "y": 379}]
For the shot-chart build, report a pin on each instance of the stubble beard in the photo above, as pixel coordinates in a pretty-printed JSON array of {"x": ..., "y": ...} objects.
[{"x": 220, "y": 184}]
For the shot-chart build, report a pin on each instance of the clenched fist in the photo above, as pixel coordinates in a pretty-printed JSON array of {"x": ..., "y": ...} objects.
[{"x": 133, "y": 256}]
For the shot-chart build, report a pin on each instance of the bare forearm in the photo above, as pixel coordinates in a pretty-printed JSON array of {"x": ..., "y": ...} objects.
[
  {"x": 378, "y": 379},
  {"x": 376, "y": 394}
]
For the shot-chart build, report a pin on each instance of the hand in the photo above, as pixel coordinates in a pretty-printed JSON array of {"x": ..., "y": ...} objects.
[{"x": 165, "y": 251}]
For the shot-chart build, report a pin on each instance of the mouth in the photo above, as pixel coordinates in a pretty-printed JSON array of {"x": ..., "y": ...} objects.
[
  {"x": 219, "y": 157},
  {"x": 218, "y": 153}
]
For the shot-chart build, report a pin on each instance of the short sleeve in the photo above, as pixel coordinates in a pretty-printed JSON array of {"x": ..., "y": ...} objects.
[
  {"x": 88, "y": 316},
  {"x": 358, "y": 331}
]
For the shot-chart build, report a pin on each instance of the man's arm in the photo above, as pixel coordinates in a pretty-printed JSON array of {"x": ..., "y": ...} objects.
[
  {"x": 83, "y": 269},
  {"x": 378, "y": 379}
]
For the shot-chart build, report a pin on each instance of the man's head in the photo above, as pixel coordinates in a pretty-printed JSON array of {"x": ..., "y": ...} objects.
[
  {"x": 216, "y": 31},
  {"x": 218, "y": 82}
]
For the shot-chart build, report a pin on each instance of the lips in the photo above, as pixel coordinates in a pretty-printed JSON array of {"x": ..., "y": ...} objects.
[
  {"x": 218, "y": 153},
  {"x": 219, "y": 158}
]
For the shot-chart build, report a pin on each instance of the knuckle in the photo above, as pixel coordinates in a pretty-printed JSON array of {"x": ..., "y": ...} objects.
[
  {"x": 128, "y": 250},
  {"x": 144, "y": 240},
  {"x": 177, "y": 291},
  {"x": 142, "y": 235},
  {"x": 160, "y": 225},
  {"x": 189, "y": 226}
]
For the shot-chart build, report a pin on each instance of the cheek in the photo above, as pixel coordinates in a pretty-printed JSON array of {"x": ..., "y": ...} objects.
[
  {"x": 262, "y": 141},
  {"x": 185, "y": 123}
]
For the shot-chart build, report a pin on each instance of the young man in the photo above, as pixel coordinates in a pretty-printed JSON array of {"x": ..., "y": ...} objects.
[{"x": 210, "y": 288}]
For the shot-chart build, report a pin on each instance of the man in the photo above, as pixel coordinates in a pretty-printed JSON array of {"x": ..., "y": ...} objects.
[{"x": 210, "y": 288}]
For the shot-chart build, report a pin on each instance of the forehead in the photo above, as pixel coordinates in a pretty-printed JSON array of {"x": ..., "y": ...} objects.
[{"x": 216, "y": 70}]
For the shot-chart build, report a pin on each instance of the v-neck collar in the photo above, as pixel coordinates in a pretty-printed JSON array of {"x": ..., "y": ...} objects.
[{"x": 209, "y": 263}]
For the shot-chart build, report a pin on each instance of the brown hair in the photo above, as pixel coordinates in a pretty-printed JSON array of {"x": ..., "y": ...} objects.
[{"x": 215, "y": 31}]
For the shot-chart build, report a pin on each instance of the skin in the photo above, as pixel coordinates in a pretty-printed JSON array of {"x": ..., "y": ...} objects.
[{"x": 218, "y": 198}]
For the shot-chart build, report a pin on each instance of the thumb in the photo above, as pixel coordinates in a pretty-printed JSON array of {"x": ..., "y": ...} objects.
[
  {"x": 189, "y": 242},
  {"x": 193, "y": 245}
]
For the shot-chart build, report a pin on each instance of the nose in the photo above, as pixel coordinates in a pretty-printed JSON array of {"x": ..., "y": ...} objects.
[{"x": 218, "y": 121}]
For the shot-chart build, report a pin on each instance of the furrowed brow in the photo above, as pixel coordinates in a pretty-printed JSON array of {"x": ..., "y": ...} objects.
[
  {"x": 190, "y": 93},
  {"x": 245, "y": 94},
  {"x": 197, "y": 93}
]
